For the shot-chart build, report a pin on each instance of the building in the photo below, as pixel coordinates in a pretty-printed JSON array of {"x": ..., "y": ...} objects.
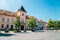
[{"x": 7, "y": 17}]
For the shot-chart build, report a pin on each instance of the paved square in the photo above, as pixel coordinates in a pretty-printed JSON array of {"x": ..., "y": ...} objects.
[{"x": 42, "y": 35}]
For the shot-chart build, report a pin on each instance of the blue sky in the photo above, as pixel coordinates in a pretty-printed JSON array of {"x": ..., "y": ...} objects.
[{"x": 42, "y": 9}]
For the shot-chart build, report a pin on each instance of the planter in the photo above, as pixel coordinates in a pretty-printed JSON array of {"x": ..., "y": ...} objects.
[
  {"x": 24, "y": 30},
  {"x": 6, "y": 31}
]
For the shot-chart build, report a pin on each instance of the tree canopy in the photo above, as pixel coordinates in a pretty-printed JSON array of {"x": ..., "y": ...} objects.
[
  {"x": 32, "y": 23},
  {"x": 54, "y": 24},
  {"x": 17, "y": 22}
]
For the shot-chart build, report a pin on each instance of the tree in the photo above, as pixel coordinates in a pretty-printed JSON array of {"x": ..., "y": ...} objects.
[
  {"x": 17, "y": 23},
  {"x": 55, "y": 24},
  {"x": 50, "y": 23},
  {"x": 32, "y": 23},
  {"x": 59, "y": 24}
]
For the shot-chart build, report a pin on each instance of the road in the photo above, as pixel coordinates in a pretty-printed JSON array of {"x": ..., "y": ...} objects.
[{"x": 42, "y": 35}]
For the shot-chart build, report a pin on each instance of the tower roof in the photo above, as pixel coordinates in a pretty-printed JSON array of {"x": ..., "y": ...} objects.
[{"x": 22, "y": 9}]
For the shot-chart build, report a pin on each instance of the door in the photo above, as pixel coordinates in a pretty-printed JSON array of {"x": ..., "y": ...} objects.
[
  {"x": 22, "y": 27},
  {"x": 11, "y": 27}
]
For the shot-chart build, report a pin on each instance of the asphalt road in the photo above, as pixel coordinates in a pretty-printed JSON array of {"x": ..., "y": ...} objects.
[{"x": 42, "y": 35}]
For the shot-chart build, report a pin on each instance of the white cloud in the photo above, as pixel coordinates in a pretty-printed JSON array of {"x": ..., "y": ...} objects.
[{"x": 3, "y": 2}]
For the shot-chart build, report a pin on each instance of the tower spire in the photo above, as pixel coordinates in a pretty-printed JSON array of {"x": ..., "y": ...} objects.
[{"x": 22, "y": 9}]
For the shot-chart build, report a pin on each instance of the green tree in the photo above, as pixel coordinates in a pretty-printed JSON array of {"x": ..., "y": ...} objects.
[
  {"x": 57, "y": 25},
  {"x": 17, "y": 23},
  {"x": 32, "y": 23},
  {"x": 54, "y": 23},
  {"x": 50, "y": 23}
]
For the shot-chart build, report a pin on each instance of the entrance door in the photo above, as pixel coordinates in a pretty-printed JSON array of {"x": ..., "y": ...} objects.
[
  {"x": 11, "y": 27},
  {"x": 22, "y": 27}
]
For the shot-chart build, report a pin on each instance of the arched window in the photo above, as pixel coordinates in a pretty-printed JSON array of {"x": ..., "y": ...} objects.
[
  {"x": 11, "y": 27},
  {"x": 2, "y": 25},
  {"x": 7, "y": 25}
]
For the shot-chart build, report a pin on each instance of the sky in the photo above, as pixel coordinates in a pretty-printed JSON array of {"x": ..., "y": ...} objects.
[{"x": 41, "y": 9}]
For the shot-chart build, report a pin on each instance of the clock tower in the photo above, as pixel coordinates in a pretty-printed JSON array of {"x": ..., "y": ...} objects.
[{"x": 22, "y": 15}]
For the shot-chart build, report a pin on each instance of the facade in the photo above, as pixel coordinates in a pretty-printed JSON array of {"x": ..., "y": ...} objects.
[{"x": 7, "y": 17}]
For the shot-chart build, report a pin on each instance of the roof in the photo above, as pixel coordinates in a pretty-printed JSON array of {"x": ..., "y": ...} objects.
[
  {"x": 22, "y": 9},
  {"x": 4, "y": 12}
]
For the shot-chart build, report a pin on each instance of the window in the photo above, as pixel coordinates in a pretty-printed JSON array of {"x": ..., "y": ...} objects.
[
  {"x": 22, "y": 21},
  {"x": 7, "y": 19},
  {"x": 2, "y": 25},
  {"x": 22, "y": 14},
  {"x": 12, "y": 19},
  {"x": 2, "y": 19}
]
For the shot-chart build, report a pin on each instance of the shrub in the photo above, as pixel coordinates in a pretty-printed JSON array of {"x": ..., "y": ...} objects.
[{"x": 15, "y": 31}]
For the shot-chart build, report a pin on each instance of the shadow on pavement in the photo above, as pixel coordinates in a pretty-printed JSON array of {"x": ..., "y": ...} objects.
[{"x": 4, "y": 34}]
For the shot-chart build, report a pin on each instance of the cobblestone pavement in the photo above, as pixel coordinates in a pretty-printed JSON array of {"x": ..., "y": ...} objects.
[{"x": 42, "y": 35}]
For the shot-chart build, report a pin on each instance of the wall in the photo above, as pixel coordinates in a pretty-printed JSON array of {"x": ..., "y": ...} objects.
[{"x": 5, "y": 21}]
